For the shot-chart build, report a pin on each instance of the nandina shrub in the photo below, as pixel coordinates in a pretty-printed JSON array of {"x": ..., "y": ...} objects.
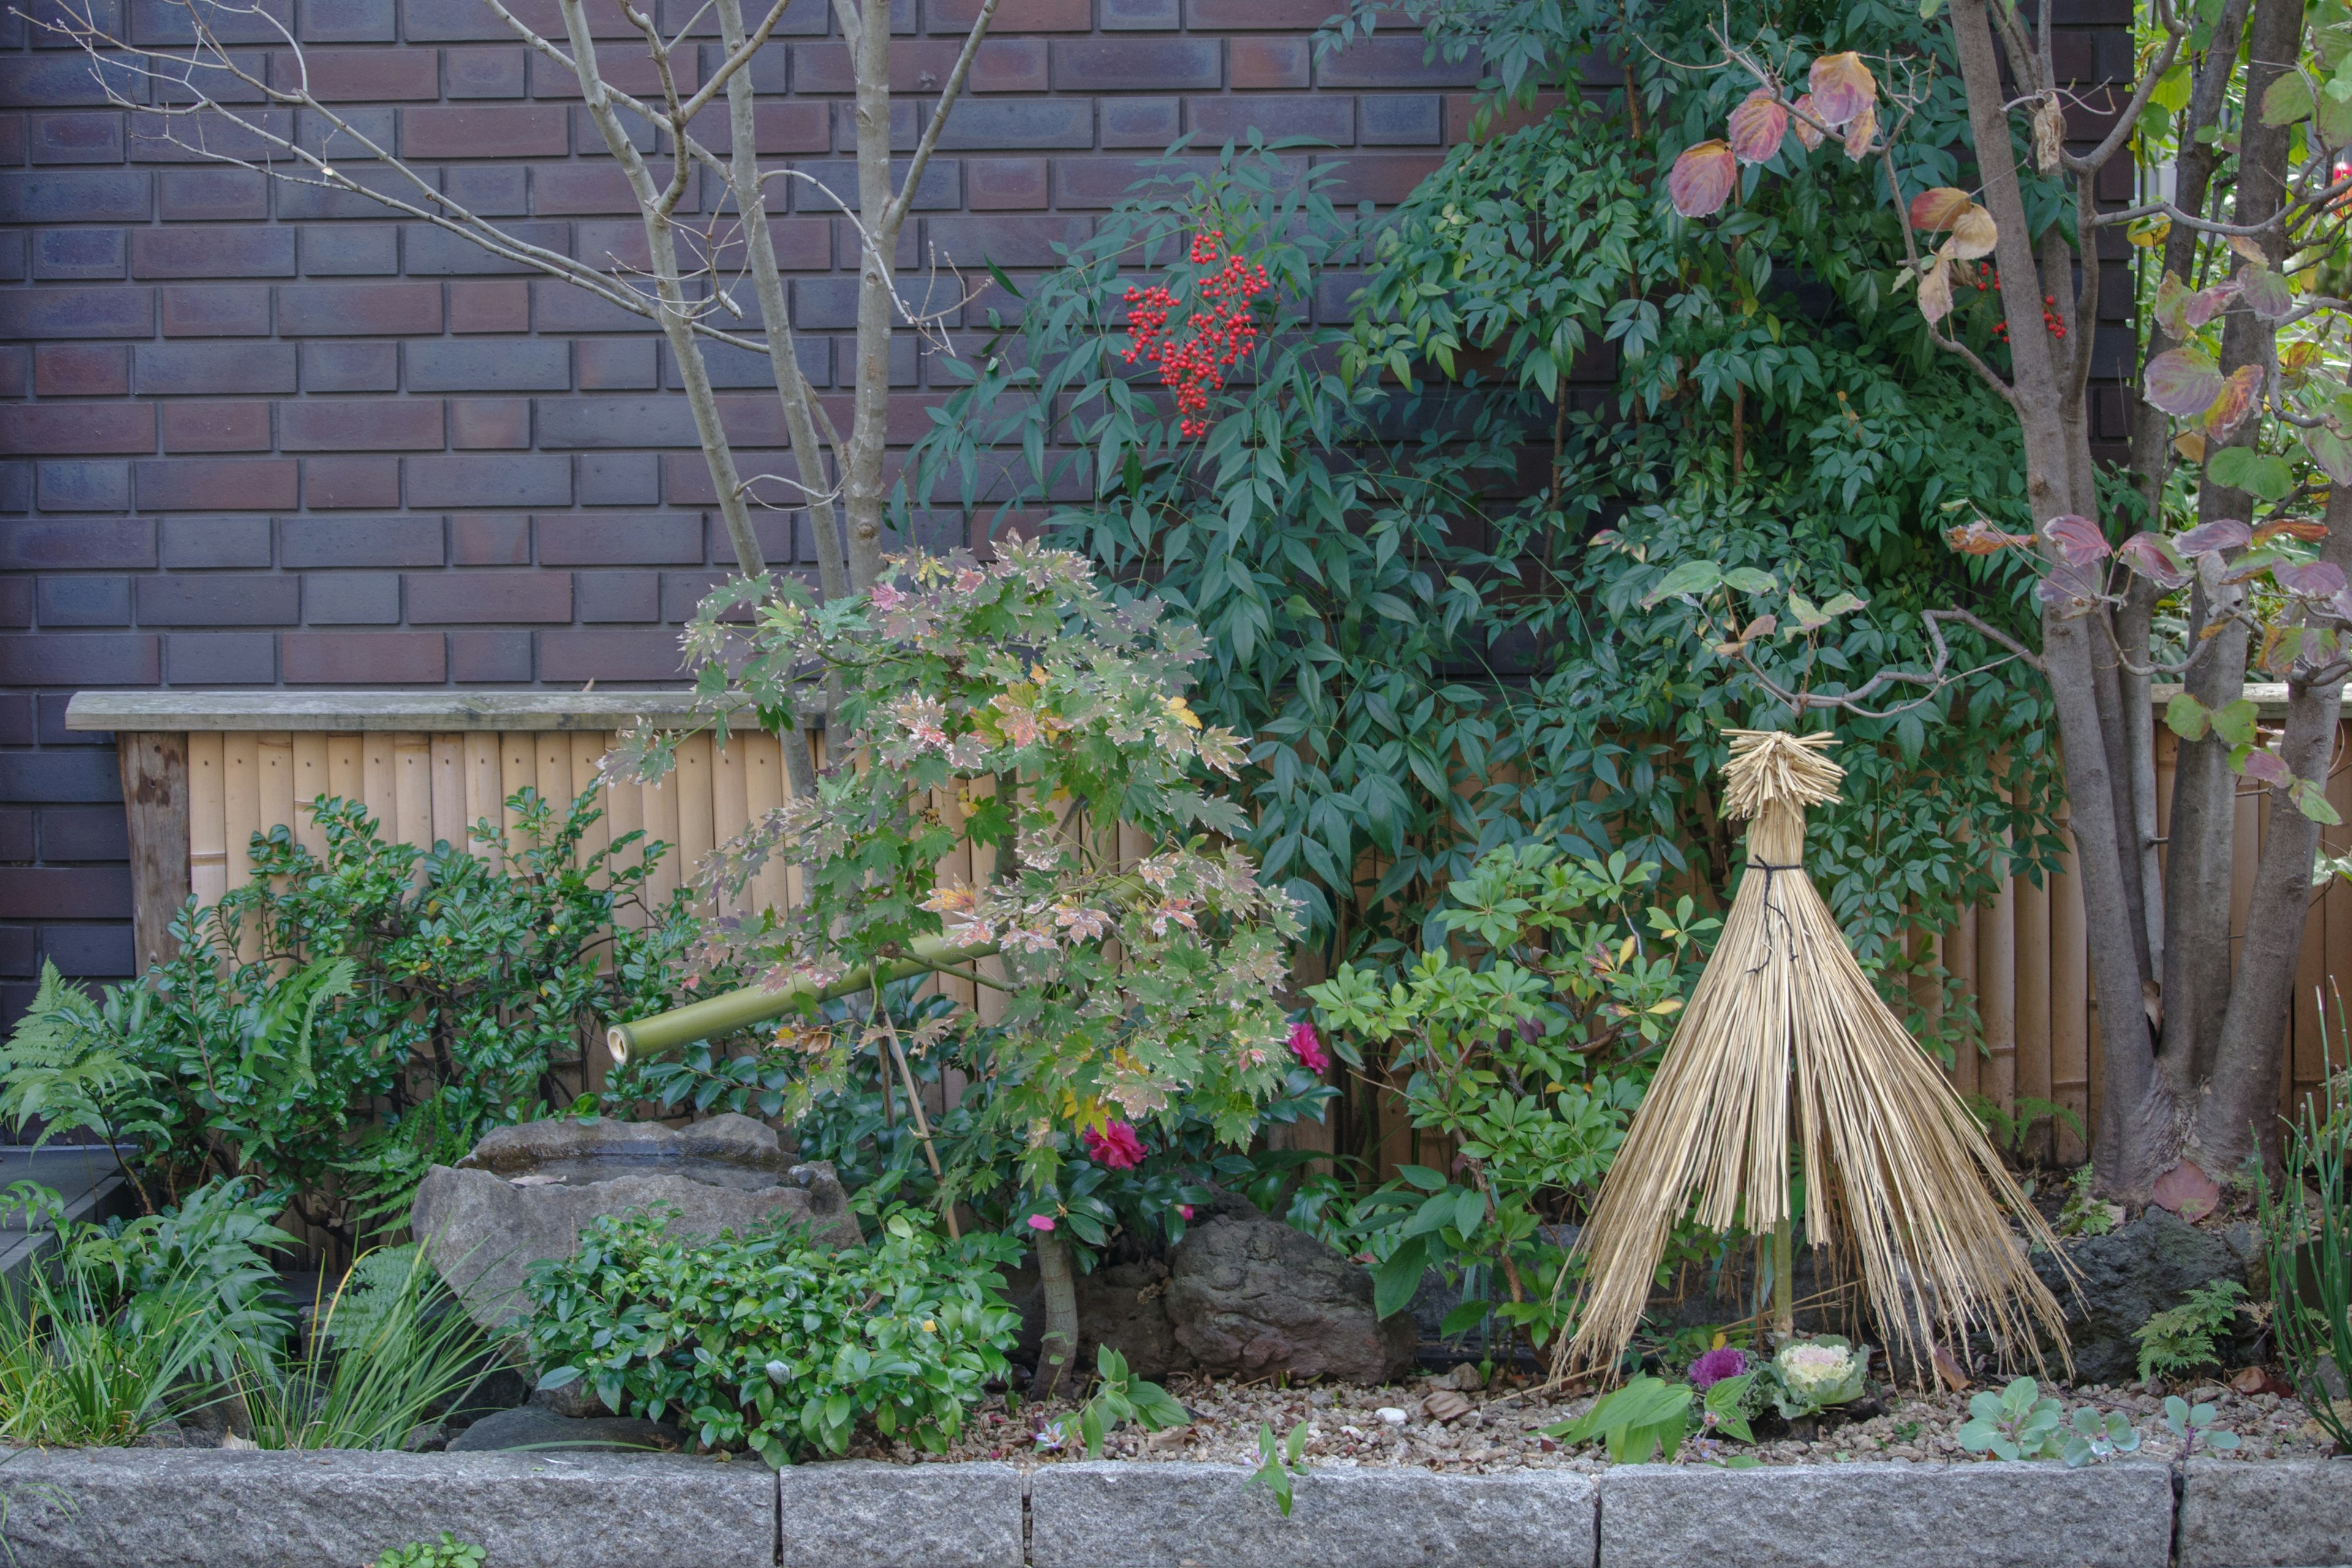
[{"x": 770, "y": 1343}]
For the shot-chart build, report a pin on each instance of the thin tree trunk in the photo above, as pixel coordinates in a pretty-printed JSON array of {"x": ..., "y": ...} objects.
[{"x": 1057, "y": 1351}]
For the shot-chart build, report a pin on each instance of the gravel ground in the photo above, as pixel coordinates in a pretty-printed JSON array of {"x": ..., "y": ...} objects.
[{"x": 1500, "y": 1427}]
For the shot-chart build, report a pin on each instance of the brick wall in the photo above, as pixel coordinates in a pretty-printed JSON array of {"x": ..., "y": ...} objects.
[{"x": 261, "y": 434}]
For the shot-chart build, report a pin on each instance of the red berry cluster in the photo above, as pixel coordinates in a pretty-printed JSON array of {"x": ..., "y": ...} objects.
[
  {"x": 1989, "y": 277},
  {"x": 1221, "y": 329}
]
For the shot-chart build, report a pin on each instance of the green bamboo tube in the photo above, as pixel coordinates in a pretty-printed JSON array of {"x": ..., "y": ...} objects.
[{"x": 756, "y": 1004}]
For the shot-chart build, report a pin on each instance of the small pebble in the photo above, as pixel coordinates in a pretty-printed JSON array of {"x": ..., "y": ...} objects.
[{"x": 1392, "y": 1415}]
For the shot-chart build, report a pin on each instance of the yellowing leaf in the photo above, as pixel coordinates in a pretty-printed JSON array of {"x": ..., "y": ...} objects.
[
  {"x": 1842, "y": 88},
  {"x": 1758, "y": 126},
  {"x": 1803, "y": 121},
  {"x": 1701, "y": 180},
  {"x": 1936, "y": 292},
  {"x": 1974, "y": 234},
  {"x": 2191, "y": 445},
  {"x": 1860, "y": 131},
  {"x": 1938, "y": 208}
]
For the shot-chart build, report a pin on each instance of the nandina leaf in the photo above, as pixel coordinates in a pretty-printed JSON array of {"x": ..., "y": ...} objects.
[
  {"x": 2310, "y": 579},
  {"x": 2078, "y": 539},
  {"x": 2266, "y": 766},
  {"x": 2153, "y": 557},
  {"x": 2207, "y": 303},
  {"x": 1974, "y": 234},
  {"x": 2212, "y": 538},
  {"x": 1842, "y": 88},
  {"x": 2332, "y": 452},
  {"x": 1758, "y": 126},
  {"x": 2172, "y": 305},
  {"x": 1701, "y": 180},
  {"x": 1859, "y": 131},
  {"x": 1804, "y": 120},
  {"x": 2183, "y": 382},
  {"x": 2234, "y": 402},
  {"x": 2266, "y": 293},
  {"x": 1938, "y": 208},
  {"x": 1936, "y": 292}
]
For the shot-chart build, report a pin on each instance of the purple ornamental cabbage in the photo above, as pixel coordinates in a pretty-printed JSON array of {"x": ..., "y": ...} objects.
[{"x": 1716, "y": 1365}]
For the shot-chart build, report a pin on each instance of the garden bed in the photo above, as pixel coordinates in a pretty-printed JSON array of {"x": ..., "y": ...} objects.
[{"x": 117, "y": 1508}]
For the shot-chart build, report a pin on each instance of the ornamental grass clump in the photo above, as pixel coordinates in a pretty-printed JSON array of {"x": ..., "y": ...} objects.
[{"x": 1786, "y": 1048}]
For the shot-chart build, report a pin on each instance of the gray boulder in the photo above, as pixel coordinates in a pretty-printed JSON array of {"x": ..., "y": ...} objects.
[
  {"x": 529, "y": 1426},
  {"x": 2132, "y": 1274},
  {"x": 1248, "y": 1295},
  {"x": 526, "y": 1193}
]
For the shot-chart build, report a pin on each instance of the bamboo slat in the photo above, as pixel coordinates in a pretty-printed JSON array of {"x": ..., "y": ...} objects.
[
  {"x": 587, "y": 750},
  {"x": 311, "y": 779},
  {"x": 448, "y": 765},
  {"x": 208, "y": 820},
  {"x": 485, "y": 789}
]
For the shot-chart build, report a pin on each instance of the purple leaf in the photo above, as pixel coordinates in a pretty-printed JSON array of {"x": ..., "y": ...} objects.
[
  {"x": 2311, "y": 580},
  {"x": 2266, "y": 293},
  {"x": 2078, "y": 539},
  {"x": 2268, "y": 767},
  {"x": 2153, "y": 557},
  {"x": 2182, "y": 381},
  {"x": 2212, "y": 538},
  {"x": 2208, "y": 303},
  {"x": 1701, "y": 181}
]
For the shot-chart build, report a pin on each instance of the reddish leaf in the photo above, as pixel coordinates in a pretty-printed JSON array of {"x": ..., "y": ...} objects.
[
  {"x": 1938, "y": 208},
  {"x": 2069, "y": 588},
  {"x": 1982, "y": 538},
  {"x": 2310, "y": 529},
  {"x": 2266, "y": 293},
  {"x": 2172, "y": 305},
  {"x": 2078, "y": 539},
  {"x": 2207, "y": 303},
  {"x": 2181, "y": 382},
  {"x": 1758, "y": 126},
  {"x": 1842, "y": 88},
  {"x": 1701, "y": 180},
  {"x": 2153, "y": 557},
  {"x": 1973, "y": 235},
  {"x": 2187, "y": 1190},
  {"x": 1859, "y": 131},
  {"x": 2234, "y": 401},
  {"x": 1804, "y": 120},
  {"x": 2212, "y": 538},
  {"x": 2332, "y": 452},
  {"x": 2268, "y": 767},
  {"x": 2311, "y": 579}
]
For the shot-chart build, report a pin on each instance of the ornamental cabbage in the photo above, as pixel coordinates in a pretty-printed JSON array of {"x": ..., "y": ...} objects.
[{"x": 1816, "y": 1374}]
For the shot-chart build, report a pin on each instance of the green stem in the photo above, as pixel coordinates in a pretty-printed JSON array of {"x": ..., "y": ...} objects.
[{"x": 1784, "y": 1282}]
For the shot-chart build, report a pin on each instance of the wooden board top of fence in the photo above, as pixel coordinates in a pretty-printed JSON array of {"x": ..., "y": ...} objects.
[{"x": 437, "y": 712}]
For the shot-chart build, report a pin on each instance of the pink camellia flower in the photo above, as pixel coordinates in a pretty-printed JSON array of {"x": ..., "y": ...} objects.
[
  {"x": 1184, "y": 1209},
  {"x": 1716, "y": 1365},
  {"x": 1307, "y": 1047},
  {"x": 1041, "y": 1221},
  {"x": 1116, "y": 1147}
]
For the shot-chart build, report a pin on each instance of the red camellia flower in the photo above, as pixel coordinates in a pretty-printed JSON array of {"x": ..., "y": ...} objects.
[
  {"x": 1116, "y": 1147},
  {"x": 1307, "y": 1047}
]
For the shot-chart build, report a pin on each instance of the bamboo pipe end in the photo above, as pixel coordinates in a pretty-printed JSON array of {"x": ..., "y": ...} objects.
[{"x": 616, "y": 1043}]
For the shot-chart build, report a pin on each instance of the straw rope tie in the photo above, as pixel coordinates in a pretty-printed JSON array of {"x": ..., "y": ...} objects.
[{"x": 1772, "y": 909}]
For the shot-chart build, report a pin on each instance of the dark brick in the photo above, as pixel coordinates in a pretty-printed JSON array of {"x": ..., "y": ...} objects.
[
  {"x": 1139, "y": 15},
  {"x": 89, "y": 952},
  {"x": 824, "y": 304},
  {"x": 612, "y": 596},
  {"x": 731, "y": 367},
  {"x": 53, "y": 429},
  {"x": 177, "y": 370},
  {"x": 617, "y": 364},
  {"x": 1400, "y": 120},
  {"x": 216, "y": 426},
  {"x": 490, "y": 539},
  {"x": 567, "y": 423},
  {"x": 84, "y": 833},
  {"x": 85, "y": 486},
  {"x": 500, "y": 131},
  {"x": 347, "y": 21},
  {"x": 211, "y": 195},
  {"x": 84, "y": 601},
  {"x": 362, "y": 658},
  {"x": 351, "y": 367},
  {"x": 16, "y": 364},
  {"x": 570, "y": 656},
  {"x": 351, "y": 599},
  {"x": 482, "y": 73},
  {"x": 535, "y": 365},
  {"x": 121, "y": 544},
  {"x": 216, "y": 484},
  {"x": 488, "y": 597},
  {"x": 593, "y": 539},
  {"x": 16, "y": 603},
  {"x": 302, "y": 203},
  {"x": 569, "y": 189},
  {"x": 340, "y": 309},
  {"x": 17, "y": 845},
  {"x": 17, "y": 721},
  {"x": 221, "y": 658},
  {"x": 63, "y": 82},
  {"x": 91, "y": 658},
  {"x": 1267, "y": 62},
  {"x": 214, "y": 541},
  {"x": 1152, "y": 122},
  {"x": 74, "y": 138},
  {"x": 1140, "y": 65},
  {"x": 1012, "y": 124},
  {"x": 77, "y": 197},
  {"x": 1391, "y": 60},
  {"x": 561, "y": 308},
  {"x": 215, "y": 599},
  {"x": 64, "y": 778},
  {"x": 80, "y": 370},
  {"x": 351, "y": 483},
  {"x": 489, "y": 424},
  {"x": 169, "y": 22},
  {"x": 76, "y": 313},
  {"x": 682, "y": 593},
  {"x": 360, "y": 425},
  {"x": 1006, "y": 241},
  {"x": 619, "y": 479},
  {"x": 358, "y": 76},
  {"x": 453, "y": 482},
  {"x": 1003, "y": 65},
  {"x": 93, "y": 892},
  {"x": 489, "y": 656},
  {"x": 500, "y": 307},
  {"x": 217, "y": 310},
  {"x": 1001, "y": 184},
  {"x": 78, "y": 254},
  {"x": 350, "y": 251},
  {"x": 312, "y": 541},
  {"x": 1322, "y": 117},
  {"x": 1382, "y": 177},
  {"x": 1012, "y": 15}
]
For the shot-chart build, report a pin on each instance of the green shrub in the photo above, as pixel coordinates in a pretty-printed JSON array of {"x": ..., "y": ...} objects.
[
  {"x": 2181, "y": 1339},
  {"x": 769, "y": 1342},
  {"x": 447, "y": 1552}
]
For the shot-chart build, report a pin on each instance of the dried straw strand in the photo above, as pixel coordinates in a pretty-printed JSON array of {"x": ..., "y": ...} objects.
[{"x": 1784, "y": 1028}]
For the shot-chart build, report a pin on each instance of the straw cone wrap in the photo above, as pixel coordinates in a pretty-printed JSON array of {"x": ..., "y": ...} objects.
[{"x": 1785, "y": 1039}]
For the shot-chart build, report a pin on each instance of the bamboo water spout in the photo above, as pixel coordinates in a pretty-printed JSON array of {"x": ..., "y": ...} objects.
[{"x": 1786, "y": 1042}]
